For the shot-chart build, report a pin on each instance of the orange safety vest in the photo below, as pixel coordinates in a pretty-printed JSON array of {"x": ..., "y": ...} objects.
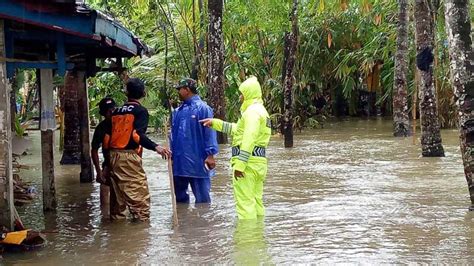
[{"x": 123, "y": 130}]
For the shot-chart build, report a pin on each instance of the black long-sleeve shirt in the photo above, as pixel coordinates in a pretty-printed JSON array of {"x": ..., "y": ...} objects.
[{"x": 99, "y": 137}]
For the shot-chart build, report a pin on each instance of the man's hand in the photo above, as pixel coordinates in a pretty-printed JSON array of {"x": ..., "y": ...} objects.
[
  {"x": 99, "y": 178},
  {"x": 163, "y": 151},
  {"x": 106, "y": 175},
  {"x": 210, "y": 162},
  {"x": 207, "y": 122},
  {"x": 238, "y": 174}
]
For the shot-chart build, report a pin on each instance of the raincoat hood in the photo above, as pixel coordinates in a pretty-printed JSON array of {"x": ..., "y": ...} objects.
[{"x": 251, "y": 91}]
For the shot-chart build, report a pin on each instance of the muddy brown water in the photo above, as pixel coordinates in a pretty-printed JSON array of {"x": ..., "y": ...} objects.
[{"x": 348, "y": 193}]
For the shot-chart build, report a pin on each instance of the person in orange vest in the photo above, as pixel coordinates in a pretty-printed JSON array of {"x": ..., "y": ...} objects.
[{"x": 125, "y": 139}]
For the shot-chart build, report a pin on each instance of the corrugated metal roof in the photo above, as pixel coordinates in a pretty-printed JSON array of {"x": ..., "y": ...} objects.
[{"x": 75, "y": 18}]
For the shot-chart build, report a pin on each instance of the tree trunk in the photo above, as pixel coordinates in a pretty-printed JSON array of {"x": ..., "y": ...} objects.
[
  {"x": 86, "y": 174},
  {"x": 216, "y": 62},
  {"x": 430, "y": 128},
  {"x": 72, "y": 127},
  {"x": 6, "y": 171},
  {"x": 289, "y": 77},
  {"x": 286, "y": 53},
  {"x": 401, "y": 124},
  {"x": 458, "y": 28},
  {"x": 13, "y": 110}
]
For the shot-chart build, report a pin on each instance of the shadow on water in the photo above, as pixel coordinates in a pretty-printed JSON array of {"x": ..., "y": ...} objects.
[{"x": 347, "y": 193}]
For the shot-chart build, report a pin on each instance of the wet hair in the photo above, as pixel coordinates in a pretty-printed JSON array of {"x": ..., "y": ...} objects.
[
  {"x": 193, "y": 90},
  {"x": 105, "y": 105},
  {"x": 135, "y": 88}
]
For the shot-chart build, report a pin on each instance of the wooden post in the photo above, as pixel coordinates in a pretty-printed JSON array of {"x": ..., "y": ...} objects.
[
  {"x": 6, "y": 180},
  {"x": 83, "y": 101},
  {"x": 48, "y": 126}
]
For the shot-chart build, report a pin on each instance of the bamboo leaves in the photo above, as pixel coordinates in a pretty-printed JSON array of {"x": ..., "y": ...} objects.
[
  {"x": 339, "y": 42},
  {"x": 321, "y": 6}
]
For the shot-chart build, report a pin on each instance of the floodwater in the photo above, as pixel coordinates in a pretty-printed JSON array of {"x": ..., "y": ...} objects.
[{"x": 348, "y": 193}]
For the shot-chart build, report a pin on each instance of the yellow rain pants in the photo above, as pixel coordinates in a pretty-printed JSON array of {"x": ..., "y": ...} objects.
[
  {"x": 250, "y": 137},
  {"x": 248, "y": 191}
]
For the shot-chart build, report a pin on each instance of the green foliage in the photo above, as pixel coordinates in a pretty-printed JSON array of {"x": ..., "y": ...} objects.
[
  {"x": 340, "y": 42},
  {"x": 104, "y": 84},
  {"x": 19, "y": 129}
]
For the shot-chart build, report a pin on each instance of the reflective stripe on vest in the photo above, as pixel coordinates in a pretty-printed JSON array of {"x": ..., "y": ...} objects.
[{"x": 257, "y": 151}]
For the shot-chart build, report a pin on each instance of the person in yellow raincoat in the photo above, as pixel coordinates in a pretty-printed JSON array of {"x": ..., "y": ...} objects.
[{"x": 250, "y": 137}]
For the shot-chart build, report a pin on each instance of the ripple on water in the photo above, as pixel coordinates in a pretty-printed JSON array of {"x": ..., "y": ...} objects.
[{"x": 348, "y": 193}]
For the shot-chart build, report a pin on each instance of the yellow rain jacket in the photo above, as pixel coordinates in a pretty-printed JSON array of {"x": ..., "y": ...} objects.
[{"x": 250, "y": 137}]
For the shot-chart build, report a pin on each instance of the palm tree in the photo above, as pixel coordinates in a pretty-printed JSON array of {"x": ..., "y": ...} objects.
[
  {"x": 72, "y": 127},
  {"x": 401, "y": 125},
  {"x": 216, "y": 62},
  {"x": 430, "y": 129},
  {"x": 458, "y": 29},
  {"x": 6, "y": 185},
  {"x": 291, "y": 42}
]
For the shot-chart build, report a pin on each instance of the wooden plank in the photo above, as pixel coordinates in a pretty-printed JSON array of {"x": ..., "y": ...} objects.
[
  {"x": 6, "y": 179},
  {"x": 47, "y": 140},
  {"x": 15, "y": 60},
  {"x": 86, "y": 162}
]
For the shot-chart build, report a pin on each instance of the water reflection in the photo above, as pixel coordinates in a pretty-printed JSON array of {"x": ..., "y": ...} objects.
[
  {"x": 250, "y": 246},
  {"x": 195, "y": 236},
  {"x": 348, "y": 193}
]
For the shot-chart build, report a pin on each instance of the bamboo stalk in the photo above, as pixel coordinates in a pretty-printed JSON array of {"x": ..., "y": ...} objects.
[
  {"x": 435, "y": 54},
  {"x": 173, "y": 196},
  {"x": 170, "y": 175},
  {"x": 414, "y": 102},
  {"x": 169, "y": 161},
  {"x": 415, "y": 91},
  {"x": 170, "y": 23}
]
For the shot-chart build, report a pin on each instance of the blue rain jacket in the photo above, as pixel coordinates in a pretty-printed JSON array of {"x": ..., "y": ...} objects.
[{"x": 191, "y": 142}]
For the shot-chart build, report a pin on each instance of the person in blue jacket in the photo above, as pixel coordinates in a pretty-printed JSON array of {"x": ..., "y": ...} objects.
[{"x": 193, "y": 146}]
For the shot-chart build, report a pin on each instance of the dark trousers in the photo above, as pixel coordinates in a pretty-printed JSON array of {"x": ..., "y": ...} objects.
[{"x": 200, "y": 187}]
